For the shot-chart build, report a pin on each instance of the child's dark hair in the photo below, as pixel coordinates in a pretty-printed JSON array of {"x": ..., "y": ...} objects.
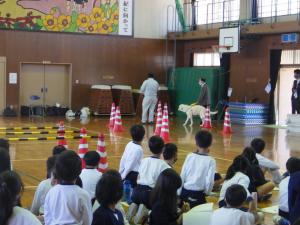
[
  {"x": 4, "y": 144},
  {"x": 203, "y": 139},
  {"x": 109, "y": 188},
  {"x": 250, "y": 154},
  {"x": 293, "y": 165},
  {"x": 92, "y": 158},
  {"x": 258, "y": 145},
  {"x": 58, "y": 149},
  {"x": 4, "y": 160},
  {"x": 156, "y": 144},
  {"x": 170, "y": 151},
  {"x": 50, "y": 165},
  {"x": 67, "y": 166},
  {"x": 235, "y": 195},
  {"x": 137, "y": 132},
  {"x": 10, "y": 188},
  {"x": 165, "y": 190},
  {"x": 239, "y": 164}
]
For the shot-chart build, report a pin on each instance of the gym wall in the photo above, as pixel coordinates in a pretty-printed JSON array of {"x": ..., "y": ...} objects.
[{"x": 95, "y": 59}]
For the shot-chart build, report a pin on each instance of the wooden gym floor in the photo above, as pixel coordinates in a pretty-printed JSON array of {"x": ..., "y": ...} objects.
[{"x": 29, "y": 157}]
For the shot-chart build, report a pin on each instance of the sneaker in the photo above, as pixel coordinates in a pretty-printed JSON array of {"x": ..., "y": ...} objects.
[
  {"x": 131, "y": 211},
  {"x": 141, "y": 214},
  {"x": 261, "y": 218}
]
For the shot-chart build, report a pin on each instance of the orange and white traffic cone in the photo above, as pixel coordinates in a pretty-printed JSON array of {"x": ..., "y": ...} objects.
[
  {"x": 118, "y": 121},
  {"x": 227, "y": 124},
  {"x": 158, "y": 120},
  {"x": 165, "y": 133},
  {"x": 112, "y": 116},
  {"x": 207, "y": 120},
  {"x": 61, "y": 134},
  {"x": 103, "y": 165},
  {"x": 83, "y": 146}
]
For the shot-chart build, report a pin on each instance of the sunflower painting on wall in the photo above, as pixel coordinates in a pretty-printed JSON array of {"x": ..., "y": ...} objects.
[{"x": 110, "y": 17}]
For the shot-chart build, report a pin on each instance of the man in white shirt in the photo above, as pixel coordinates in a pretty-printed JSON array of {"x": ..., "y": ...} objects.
[
  {"x": 133, "y": 155},
  {"x": 149, "y": 88},
  {"x": 90, "y": 175}
]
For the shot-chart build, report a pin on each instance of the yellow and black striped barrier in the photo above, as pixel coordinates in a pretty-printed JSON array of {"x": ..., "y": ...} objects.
[
  {"x": 40, "y": 132},
  {"x": 29, "y": 128},
  {"x": 50, "y": 138}
]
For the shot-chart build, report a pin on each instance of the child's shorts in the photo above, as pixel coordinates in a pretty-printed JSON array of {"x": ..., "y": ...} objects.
[
  {"x": 194, "y": 198},
  {"x": 141, "y": 195}
]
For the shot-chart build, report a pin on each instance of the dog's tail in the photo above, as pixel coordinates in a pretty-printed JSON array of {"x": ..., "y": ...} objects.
[{"x": 213, "y": 113}]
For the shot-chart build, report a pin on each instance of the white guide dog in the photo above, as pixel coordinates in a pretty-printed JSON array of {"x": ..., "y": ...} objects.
[{"x": 195, "y": 110}]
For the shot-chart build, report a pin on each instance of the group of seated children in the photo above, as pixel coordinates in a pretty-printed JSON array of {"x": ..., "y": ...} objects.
[{"x": 72, "y": 195}]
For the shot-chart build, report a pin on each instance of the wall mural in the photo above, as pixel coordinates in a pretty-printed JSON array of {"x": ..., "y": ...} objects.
[{"x": 112, "y": 17}]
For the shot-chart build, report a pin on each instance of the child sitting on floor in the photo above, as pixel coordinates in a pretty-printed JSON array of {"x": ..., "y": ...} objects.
[
  {"x": 66, "y": 203},
  {"x": 150, "y": 169},
  {"x": 233, "y": 214},
  {"x": 170, "y": 154},
  {"x": 132, "y": 156},
  {"x": 266, "y": 164},
  {"x": 109, "y": 192},
  {"x": 11, "y": 188},
  {"x": 198, "y": 171},
  {"x": 90, "y": 175}
]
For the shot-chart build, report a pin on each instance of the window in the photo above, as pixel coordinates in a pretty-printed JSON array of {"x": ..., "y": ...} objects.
[
  {"x": 267, "y": 8},
  {"x": 290, "y": 57},
  {"x": 213, "y": 11},
  {"x": 206, "y": 59}
]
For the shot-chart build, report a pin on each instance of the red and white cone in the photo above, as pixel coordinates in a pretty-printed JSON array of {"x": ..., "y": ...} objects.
[
  {"x": 61, "y": 134},
  {"x": 165, "y": 133},
  {"x": 207, "y": 120},
  {"x": 118, "y": 121},
  {"x": 103, "y": 165},
  {"x": 227, "y": 123},
  {"x": 112, "y": 116},
  {"x": 158, "y": 120},
  {"x": 83, "y": 147}
]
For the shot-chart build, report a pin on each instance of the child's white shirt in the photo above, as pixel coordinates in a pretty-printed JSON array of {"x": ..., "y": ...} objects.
[
  {"x": 38, "y": 202},
  {"x": 238, "y": 178},
  {"x": 150, "y": 169},
  {"x": 22, "y": 216},
  {"x": 284, "y": 195},
  {"x": 232, "y": 216},
  {"x": 266, "y": 163},
  {"x": 90, "y": 178},
  {"x": 131, "y": 159},
  {"x": 68, "y": 204},
  {"x": 198, "y": 172}
]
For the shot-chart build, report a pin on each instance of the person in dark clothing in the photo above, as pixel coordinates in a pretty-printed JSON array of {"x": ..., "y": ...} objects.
[
  {"x": 109, "y": 192},
  {"x": 294, "y": 197},
  {"x": 204, "y": 96},
  {"x": 296, "y": 93},
  {"x": 164, "y": 200},
  {"x": 258, "y": 182}
]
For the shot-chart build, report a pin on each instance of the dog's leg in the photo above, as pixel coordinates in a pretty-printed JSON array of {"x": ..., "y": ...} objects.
[
  {"x": 191, "y": 120},
  {"x": 187, "y": 119}
]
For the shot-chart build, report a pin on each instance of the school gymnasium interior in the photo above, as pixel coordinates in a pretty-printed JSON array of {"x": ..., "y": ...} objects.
[{"x": 61, "y": 55}]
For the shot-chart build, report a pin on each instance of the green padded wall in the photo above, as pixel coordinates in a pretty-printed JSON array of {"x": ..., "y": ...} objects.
[{"x": 184, "y": 87}]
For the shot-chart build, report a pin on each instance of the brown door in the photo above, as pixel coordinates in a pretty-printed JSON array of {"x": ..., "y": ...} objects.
[
  {"x": 57, "y": 80},
  {"x": 31, "y": 83},
  {"x": 2, "y": 84}
]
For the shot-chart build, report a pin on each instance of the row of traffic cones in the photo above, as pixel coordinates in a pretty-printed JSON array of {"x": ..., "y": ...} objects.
[
  {"x": 83, "y": 146},
  {"x": 227, "y": 124},
  {"x": 162, "y": 123},
  {"x": 115, "y": 120}
]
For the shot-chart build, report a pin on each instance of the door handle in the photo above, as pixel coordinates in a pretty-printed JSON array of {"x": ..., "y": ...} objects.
[
  {"x": 42, "y": 90},
  {"x": 46, "y": 89}
]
